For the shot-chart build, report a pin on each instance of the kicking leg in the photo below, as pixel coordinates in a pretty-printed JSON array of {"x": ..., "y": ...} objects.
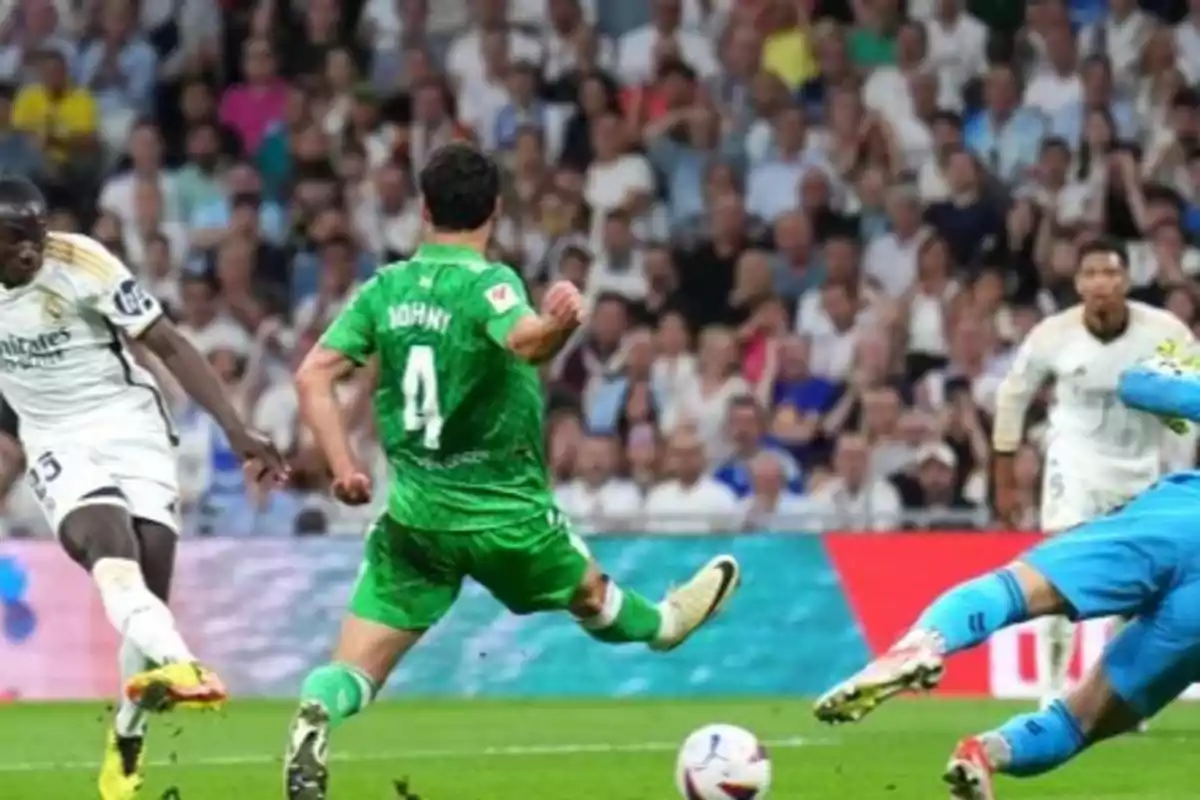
[
  {"x": 100, "y": 537},
  {"x": 959, "y": 619},
  {"x": 611, "y": 614},
  {"x": 121, "y": 773}
]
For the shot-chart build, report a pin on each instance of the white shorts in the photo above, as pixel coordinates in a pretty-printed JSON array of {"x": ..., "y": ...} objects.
[
  {"x": 1071, "y": 496},
  {"x": 138, "y": 474}
]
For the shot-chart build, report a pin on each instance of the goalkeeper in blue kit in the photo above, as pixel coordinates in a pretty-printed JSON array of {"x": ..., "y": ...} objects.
[{"x": 1141, "y": 560}]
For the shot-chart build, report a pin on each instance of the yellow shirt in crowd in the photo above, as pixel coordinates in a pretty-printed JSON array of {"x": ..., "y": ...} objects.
[
  {"x": 54, "y": 120},
  {"x": 788, "y": 56}
]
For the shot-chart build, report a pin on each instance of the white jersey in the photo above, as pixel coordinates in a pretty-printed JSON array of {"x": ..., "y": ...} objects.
[
  {"x": 64, "y": 365},
  {"x": 92, "y": 420},
  {"x": 1099, "y": 452}
]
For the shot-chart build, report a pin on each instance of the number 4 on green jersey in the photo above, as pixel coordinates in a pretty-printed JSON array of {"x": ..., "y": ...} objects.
[{"x": 459, "y": 416}]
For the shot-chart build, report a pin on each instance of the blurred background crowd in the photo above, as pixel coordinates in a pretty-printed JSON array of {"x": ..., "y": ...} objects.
[{"x": 811, "y": 231}]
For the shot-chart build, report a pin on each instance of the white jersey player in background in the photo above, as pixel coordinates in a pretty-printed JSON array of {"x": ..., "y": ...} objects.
[
  {"x": 1099, "y": 452},
  {"x": 99, "y": 449}
]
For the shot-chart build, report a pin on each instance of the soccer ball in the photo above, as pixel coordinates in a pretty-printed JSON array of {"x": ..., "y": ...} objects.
[{"x": 723, "y": 762}]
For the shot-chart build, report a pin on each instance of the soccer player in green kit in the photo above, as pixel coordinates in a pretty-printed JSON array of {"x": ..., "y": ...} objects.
[{"x": 459, "y": 406}]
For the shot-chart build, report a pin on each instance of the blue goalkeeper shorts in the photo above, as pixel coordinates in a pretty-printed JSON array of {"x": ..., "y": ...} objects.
[{"x": 1141, "y": 561}]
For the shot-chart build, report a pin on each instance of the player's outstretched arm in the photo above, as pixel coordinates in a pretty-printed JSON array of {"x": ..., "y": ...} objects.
[
  {"x": 197, "y": 378},
  {"x": 538, "y": 337},
  {"x": 315, "y": 380}
]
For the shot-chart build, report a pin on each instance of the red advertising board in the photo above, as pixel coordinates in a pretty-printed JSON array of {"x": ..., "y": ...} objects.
[{"x": 890, "y": 578}]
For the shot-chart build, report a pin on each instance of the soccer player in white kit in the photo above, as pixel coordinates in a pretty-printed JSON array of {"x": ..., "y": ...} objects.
[
  {"x": 99, "y": 449},
  {"x": 1099, "y": 452}
]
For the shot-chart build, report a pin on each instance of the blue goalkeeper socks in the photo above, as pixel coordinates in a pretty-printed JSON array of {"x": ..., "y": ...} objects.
[
  {"x": 1038, "y": 743},
  {"x": 971, "y": 612}
]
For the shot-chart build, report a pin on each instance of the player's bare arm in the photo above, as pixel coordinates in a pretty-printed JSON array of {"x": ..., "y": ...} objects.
[
  {"x": 197, "y": 378},
  {"x": 315, "y": 380},
  {"x": 1027, "y": 374},
  {"x": 537, "y": 338}
]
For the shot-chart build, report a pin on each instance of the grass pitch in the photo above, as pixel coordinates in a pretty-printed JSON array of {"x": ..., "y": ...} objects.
[{"x": 570, "y": 750}]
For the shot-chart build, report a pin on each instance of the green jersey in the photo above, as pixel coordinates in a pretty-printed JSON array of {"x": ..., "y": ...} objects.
[{"x": 459, "y": 416}]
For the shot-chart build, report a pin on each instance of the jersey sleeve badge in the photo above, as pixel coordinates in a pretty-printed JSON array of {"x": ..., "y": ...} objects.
[
  {"x": 502, "y": 298},
  {"x": 131, "y": 300}
]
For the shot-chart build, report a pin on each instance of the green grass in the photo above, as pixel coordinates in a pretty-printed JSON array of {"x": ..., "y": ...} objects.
[{"x": 572, "y": 750}]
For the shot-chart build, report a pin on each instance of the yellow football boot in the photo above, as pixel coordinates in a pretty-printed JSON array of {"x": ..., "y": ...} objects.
[
  {"x": 122, "y": 772},
  {"x": 179, "y": 685}
]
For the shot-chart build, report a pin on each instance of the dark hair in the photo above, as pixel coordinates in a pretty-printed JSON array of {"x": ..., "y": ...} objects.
[
  {"x": 1056, "y": 143},
  {"x": 460, "y": 185},
  {"x": 949, "y": 118},
  {"x": 745, "y": 401},
  {"x": 23, "y": 207},
  {"x": 1105, "y": 245}
]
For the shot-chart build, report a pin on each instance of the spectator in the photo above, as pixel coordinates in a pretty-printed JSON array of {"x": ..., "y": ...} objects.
[
  {"x": 703, "y": 406},
  {"x": 769, "y": 505},
  {"x": 389, "y": 219},
  {"x": 465, "y": 60},
  {"x": 620, "y": 263},
  {"x": 336, "y": 288},
  {"x": 204, "y": 322},
  {"x": 595, "y": 352},
  {"x": 61, "y": 117},
  {"x": 571, "y": 44},
  {"x": 771, "y": 184},
  {"x": 148, "y": 222},
  {"x": 967, "y": 220},
  {"x": 1097, "y": 94},
  {"x": 252, "y": 107},
  {"x": 19, "y": 153},
  {"x": 120, "y": 68},
  {"x": 146, "y": 165},
  {"x": 642, "y": 458},
  {"x": 1120, "y": 36},
  {"x": 852, "y": 499},
  {"x": 1060, "y": 87},
  {"x": 957, "y": 45},
  {"x": 1003, "y": 135},
  {"x": 610, "y": 394},
  {"x": 932, "y": 495},
  {"x": 616, "y": 180},
  {"x": 597, "y": 500},
  {"x": 691, "y": 501},
  {"x": 749, "y": 439},
  {"x": 891, "y": 259},
  {"x": 38, "y": 31},
  {"x": 639, "y": 50}
]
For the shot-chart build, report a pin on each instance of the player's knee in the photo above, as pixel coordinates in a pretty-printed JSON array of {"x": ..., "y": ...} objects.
[
  {"x": 1041, "y": 597},
  {"x": 590, "y": 597},
  {"x": 94, "y": 532}
]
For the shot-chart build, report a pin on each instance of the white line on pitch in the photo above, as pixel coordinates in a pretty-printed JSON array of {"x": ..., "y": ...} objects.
[{"x": 515, "y": 751}]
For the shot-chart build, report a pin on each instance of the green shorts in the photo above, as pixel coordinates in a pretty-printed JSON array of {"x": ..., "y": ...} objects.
[{"x": 410, "y": 578}]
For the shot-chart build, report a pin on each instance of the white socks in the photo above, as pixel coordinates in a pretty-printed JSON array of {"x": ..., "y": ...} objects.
[
  {"x": 614, "y": 598},
  {"x": 1055, "y": 649},
  {"x": 131, "y": 720},
  {"x": 139, "y": 616}
]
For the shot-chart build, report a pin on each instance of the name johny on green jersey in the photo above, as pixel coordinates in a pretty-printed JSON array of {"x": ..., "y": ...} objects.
[{"x": 459, "y": 416}]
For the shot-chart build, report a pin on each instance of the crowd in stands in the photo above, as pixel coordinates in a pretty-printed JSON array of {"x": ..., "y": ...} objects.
[{"x": 811, "y": 232}]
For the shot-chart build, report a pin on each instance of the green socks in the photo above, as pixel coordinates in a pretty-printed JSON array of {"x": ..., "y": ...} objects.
[
  {"x": 626, "y": 617},
  {"x": 341, "y": 689}
]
